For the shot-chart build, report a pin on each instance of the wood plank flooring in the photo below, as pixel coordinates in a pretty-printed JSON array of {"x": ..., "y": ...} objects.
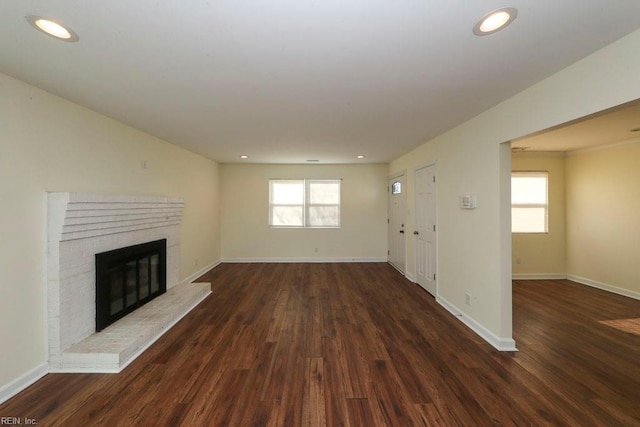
[{"x": 359, "y": 345}]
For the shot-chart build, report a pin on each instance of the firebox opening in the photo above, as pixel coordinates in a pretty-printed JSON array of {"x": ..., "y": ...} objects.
[{"x": 128, "y": 278}]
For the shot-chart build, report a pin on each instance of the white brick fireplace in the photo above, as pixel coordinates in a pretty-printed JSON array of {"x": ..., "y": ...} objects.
[{"x": 80, "y": 226}]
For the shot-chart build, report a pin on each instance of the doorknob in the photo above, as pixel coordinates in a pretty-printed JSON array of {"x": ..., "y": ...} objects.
[
  {"x": 401, "y": 231},
  {"x": 416, "y": 232}
]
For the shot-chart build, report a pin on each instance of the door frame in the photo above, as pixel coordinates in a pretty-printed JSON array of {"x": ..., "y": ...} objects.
[
  {"x": 390, "y": 178},
  {"x": 415, "y": 221}
]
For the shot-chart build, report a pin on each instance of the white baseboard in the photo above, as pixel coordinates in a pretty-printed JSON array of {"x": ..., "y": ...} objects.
[
  {"x": 301, "y": 260},
  {"x": 200, "y": 272},
  {"x": 539, "y": 276},
  {"x": 502, "y": 344},
  {"x": 604, "y": 286},
  {"x": 410, "y": 277},
  {"x": 16, "y": 386}
]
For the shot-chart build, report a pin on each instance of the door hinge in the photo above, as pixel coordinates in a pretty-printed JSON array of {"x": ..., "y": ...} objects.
[
  {"x": 434, "y": 227},
  {"x": 434, "y": 276},
  {"x": 434, "y": 178},
  {"x": 387, "y": 220},
  {"x": 388, "y": 252}
]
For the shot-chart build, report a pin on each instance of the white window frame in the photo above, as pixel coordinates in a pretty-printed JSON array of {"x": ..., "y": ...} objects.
[
  {"x": 306, "y": 205},
  {"x": 545, "y": 205}
]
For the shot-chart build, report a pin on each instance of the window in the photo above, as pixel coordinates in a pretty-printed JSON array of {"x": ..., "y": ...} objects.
[
  {"x": 396, "y": 187},
  {"x": 529, "y": 202},
  {"x": 304, "y": 203}
]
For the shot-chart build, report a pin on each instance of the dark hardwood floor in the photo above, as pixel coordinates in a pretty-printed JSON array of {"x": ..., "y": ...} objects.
[{"x": 359, "y": 345}]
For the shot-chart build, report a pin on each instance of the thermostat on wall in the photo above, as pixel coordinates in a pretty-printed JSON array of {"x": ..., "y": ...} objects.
[{"x": 468, "y": 201}]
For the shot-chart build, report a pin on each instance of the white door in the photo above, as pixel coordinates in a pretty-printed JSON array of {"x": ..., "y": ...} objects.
[
  {"x": 425, "y": 232},
  {"x": 397, "y": 211}
]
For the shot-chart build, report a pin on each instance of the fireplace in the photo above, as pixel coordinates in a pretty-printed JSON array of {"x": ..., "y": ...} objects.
[
  {"x": 128, "y": 278},
  {"x": 81, "y": 225}
]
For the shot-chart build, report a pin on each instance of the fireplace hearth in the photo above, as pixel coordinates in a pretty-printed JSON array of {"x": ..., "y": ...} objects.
[{"x": 127, "y": 278}]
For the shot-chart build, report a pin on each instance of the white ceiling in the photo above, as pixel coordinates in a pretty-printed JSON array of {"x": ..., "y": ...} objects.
[
  {"x": 619, "y": 125},
  {"x": 285, "y": 81}
]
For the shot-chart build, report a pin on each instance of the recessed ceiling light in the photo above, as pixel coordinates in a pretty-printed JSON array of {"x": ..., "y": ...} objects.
[
  {"x": 52, "y": 28},
  {"x": 361, "y": 156},
  {"x": 244, "y": 156},
  {"x": 495, "y": 21}
]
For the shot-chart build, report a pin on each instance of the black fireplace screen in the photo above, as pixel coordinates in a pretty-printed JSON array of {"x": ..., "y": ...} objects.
[{"x": 128, "y": 278}]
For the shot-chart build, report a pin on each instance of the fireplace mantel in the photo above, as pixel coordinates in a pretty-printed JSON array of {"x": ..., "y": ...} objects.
[
  {"x": 83, "y": 216},
  {"x": 79, "y": 225}
]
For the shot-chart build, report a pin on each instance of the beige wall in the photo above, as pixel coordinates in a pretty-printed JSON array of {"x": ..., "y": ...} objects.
[
  {"x": 49, "y": 144},
  {"x": 474, "y": 246},
  {"x": 469, "y": 243},
  {"x": 245, "y": 201},
  {"x": 603, "y": 217},
  {"x": 542, "y": 255},
  {"x": 594, "y": 197}
]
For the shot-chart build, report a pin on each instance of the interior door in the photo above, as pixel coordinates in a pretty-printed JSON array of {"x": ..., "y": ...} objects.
[
  {"x": 425, "y": 232},
  {"x": 397, "y": 214}
]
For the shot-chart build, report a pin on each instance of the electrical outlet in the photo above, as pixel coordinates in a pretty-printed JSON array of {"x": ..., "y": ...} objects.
[
  {"x": 315, "y": 250},
  {"x": 518, "y": 260},
  {"x": 467, "y": 299}
]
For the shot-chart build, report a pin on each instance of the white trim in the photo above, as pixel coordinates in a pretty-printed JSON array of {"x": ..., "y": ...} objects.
[
  {"x": 505, "y": 297},
  {"x": 395, "y": 266},
  {"x": 502, "y": 344},
  {"x": 45, "y": 274},
  {"x": 410, "y": 277},
  {"x": 539, "y": 276},
  {"x": 401, "y": 176},
  {"x": 9, "y": 390},
  {"x": 305, "y": 260},
  {"x": 86, "y": 370},
  {"x": 604, "y": 286},
  {"x": 200, "y": 272}
]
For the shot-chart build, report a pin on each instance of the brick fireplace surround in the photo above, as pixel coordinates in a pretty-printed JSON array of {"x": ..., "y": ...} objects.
[{"x": 80, "y": 225}]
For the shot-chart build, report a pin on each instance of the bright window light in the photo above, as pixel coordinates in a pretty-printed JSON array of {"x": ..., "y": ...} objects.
[
  {"x": 304, "y": 203},
  {"x": 529, "y": 202}
]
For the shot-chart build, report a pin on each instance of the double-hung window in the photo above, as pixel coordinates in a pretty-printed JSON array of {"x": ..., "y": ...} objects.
[
  {"x": 304, "y": 203},
  {"x": 529, "y": 202}
]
